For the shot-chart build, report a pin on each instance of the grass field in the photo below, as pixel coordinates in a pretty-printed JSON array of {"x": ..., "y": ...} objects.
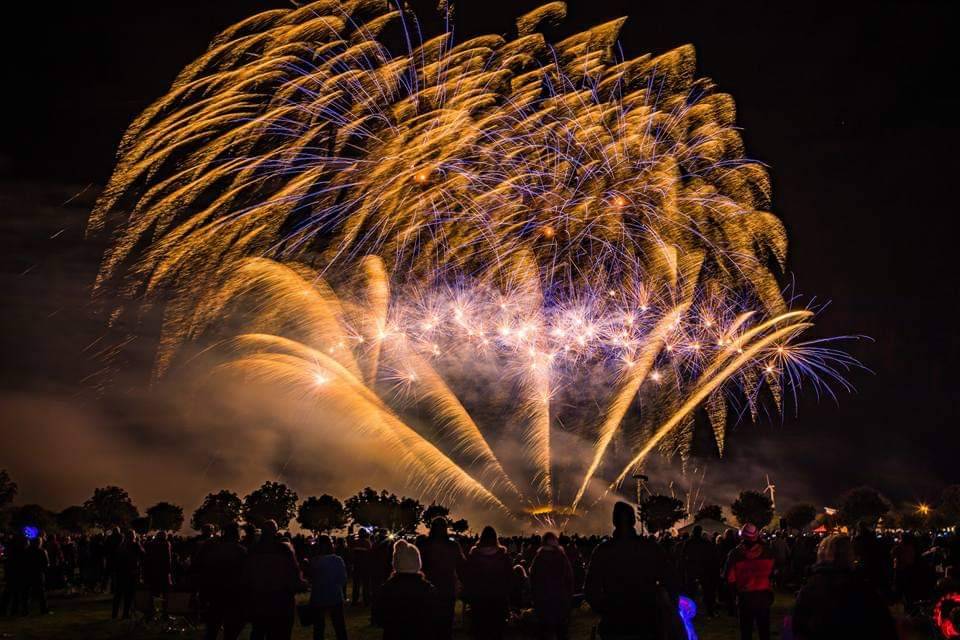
[{"x": 88, "y": 618}]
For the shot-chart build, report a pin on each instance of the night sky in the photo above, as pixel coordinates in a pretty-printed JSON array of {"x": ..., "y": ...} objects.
[{"x": 853, "y": 109}]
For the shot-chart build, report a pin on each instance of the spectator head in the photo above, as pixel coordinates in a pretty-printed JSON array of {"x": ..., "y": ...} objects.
[
  {"x": 550, "y": 539},
  {"x": 749, "y": 532},
  {"x": 162, "y": 536},
  {"x": 488, "y": 537},
  {"x": 324, "y": 545},
  {"x": 363, "y": 534},
  {"x": 837, "y": 551},
  {"x": 406, "y": 557},
  {"x": 623, "y": 516},
  {"x": 438, "y": 528},
  {"x": 697, "y": 531},
  {"x": 208, "y": 530},
  {"x": 231, "y": 532},
  {"x": 131, "y": 536},
  {"x": 269, "y": 529}
]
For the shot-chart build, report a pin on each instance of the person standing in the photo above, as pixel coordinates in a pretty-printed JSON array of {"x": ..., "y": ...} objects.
[
  {"x": 272, "y": 578},
  {"x": 219, "y": 570},
  {"x": 443, "y": 563},
  {"x": 328, "y": 577},
  {"x": 837, "y": 602},
  {"x": 700, "y": 565},
  {"x": 158, "y": 565},
  {"x": 628, "y": 579},
  {"x": 127, "y": 565},
  {"x": 405, "y": 606},
  {"x": 551, "y": 586},
  {"x": 749, "y": 567},
  {"x": 36, "y": 562},
  {"x": 360, "y": 548},
  {"x": 488, "y": 579},
  {"x": 13, "y": 580}
]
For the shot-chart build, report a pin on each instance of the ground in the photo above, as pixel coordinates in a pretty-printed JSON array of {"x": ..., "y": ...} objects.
[{"x": 88, "y": 618}]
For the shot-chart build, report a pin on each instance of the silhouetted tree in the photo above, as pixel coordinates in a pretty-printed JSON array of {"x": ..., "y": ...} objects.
[
  {"x": 165, "y": 517},
  {"x": 369, "y": 508},
  {"x": 409, "y": 516},
  {"x": 272, "y": 501},
  {"x": 460, "y": 526},
  {"x": 659, "y": 512},
  {"x": 436, "y": 511},
  {"x": 800, "y": 515},
  {"x": 141, "y": 525},
  {"x": 8, "y": 489},
  {"x": 321, "y": 515},
  {"x": 218, "y": 509},
  {"x": 33, "y": 515},
  {"x": 753, "y": 507},
  {"x": 110, "y": 507},
  {"x": 74, "y": 519},
  {"x": 863, "y": 504},
  {"x": 710, "y": 512},
  {"x": 949, "y": 505}
]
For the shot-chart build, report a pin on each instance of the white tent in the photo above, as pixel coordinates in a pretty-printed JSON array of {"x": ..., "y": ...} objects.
[{"x": 709, "y": 525}]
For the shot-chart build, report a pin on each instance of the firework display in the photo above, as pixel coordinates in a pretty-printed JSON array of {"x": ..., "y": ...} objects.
[{"x": 522, "y": 265}]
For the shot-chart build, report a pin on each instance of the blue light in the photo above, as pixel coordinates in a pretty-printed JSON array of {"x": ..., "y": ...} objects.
[
  {"x": 31, "y": 533},
  {"x": 688, "y": 610}
]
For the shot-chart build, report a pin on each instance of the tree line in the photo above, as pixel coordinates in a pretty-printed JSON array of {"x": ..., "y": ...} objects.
[{"x": 111, "y": 506}]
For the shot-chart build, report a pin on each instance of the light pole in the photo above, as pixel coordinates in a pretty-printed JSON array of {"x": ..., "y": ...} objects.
[{"x": 641, "y": 486}]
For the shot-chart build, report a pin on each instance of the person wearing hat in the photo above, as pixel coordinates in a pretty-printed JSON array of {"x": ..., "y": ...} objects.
[
  {"x": 749, "y": 567},
  {"x": 406, "y": 604}
]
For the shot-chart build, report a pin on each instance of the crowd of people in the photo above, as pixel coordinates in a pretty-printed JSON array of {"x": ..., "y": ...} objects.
[{"x": 243, "y": 576}]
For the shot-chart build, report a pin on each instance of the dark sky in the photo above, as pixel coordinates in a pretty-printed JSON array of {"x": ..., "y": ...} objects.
[{"x": 853, "y": 108}]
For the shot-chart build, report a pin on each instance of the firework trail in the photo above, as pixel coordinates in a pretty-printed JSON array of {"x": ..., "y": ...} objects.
[{"x": 464, "y": 249}]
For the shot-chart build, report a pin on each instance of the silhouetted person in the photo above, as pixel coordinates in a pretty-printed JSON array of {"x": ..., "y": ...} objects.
[
  {"x": 380, "y": 562},
  {"x": 127, "y": 566},
  {"x": 360, "y": 559},
  {"x": 551, "y": 586},
  {"x": 838, "y": 603},
  {"x": 158, "y": 564},
  {"x": 13, "y": 599},
  {"x": 519, "y": 589},
  {"x": 628, "y": 579},
  {"x": 700, "y": 565},
  {"x": 910, "y": 576},
  {"x": 406, "y": 605},
  {"x": 36, "y": 562},
  {"x": 728, "y": 594},
  {"x": 219, "y": 572},
  {"x": 872, "y": 559},
  {"x": 111, "y": 544},
  {"x": 443, "y": 562},
  {"x": 748, "y": 570},
  {"x": 328, "y": 577},
  {"x": 271, "y": 575},
  {"x": 488, "y": 577}
]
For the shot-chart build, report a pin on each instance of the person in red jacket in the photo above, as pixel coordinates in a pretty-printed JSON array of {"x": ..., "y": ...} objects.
[{"x": 748, "y": 570}]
